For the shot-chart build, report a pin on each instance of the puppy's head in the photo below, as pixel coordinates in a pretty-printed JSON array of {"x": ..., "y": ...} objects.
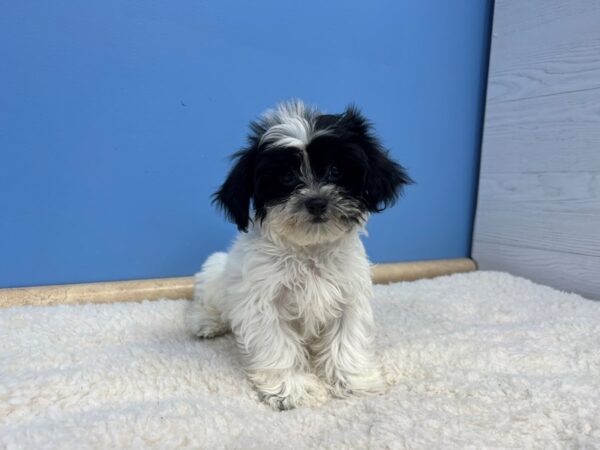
[{"x": 310, "y": 177}]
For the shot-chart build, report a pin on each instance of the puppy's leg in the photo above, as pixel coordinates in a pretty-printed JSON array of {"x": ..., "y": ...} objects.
[
  {"x": 344, "y": 352},
  {"x": 203, "y": 316},
  {"x": 275, "y": 357}
]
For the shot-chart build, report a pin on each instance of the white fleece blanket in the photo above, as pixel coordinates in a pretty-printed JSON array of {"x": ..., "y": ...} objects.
[{"x": 479, "y": 360}]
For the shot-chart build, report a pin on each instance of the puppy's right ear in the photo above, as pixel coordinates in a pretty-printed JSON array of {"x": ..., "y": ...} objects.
[{"x": 234, "y": 195}]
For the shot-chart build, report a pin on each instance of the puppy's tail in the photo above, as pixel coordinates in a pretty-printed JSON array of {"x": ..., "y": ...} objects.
[{"x": 203, "y": 317}]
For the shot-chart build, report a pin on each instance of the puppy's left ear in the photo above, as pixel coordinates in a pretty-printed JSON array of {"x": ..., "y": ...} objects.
[
  {"x": 384, "y": 177},
  {"x": 234, "y": 195}
]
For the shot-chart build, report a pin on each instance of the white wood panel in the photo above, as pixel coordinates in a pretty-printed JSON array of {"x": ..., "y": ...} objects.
[
  {"x": 566, "y": 271},
  {"x": 538, "y": 212},
  {"x": 572, "y": 66},
  {"x": 556, "y": 49},
  {"x": 517, "y": 17},
  {"x": 542, "y": 192},
  {"x": 544, "y": 210},
  {"x": 523, "y": 226},
  {"x": 556, "y": 133}
]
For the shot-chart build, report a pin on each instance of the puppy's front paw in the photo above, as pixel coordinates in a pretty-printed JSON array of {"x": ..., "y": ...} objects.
[
  {"x": 277, "y": 402},
  {"x": 345, "y": 385},
  {"x": 293, "y": 390}
]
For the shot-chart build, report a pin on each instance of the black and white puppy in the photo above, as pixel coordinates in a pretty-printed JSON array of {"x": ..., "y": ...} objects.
[{"x": 295, "y": 288}]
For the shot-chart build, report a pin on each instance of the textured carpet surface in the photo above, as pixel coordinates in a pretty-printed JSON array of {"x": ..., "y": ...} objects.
[{"x": 479, "y": 360}]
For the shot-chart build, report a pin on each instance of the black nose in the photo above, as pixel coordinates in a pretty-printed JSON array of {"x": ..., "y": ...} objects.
[{"x": 316, "y": 206}]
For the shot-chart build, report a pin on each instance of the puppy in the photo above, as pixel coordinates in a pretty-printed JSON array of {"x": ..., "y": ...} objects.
[{"x": 295, "y": 288}]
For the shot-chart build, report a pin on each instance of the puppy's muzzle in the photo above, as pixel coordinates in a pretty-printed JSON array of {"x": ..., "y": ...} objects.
[{"x": 317, "y": 207}]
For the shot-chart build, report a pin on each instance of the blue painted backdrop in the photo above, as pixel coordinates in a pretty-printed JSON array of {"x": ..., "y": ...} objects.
[{"x": 116, "y": 118}]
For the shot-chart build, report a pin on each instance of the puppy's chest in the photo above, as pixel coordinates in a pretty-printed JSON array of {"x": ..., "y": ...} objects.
[{"x": 313, "y": 294}]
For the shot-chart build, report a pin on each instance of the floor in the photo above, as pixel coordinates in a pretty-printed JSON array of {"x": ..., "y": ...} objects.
[{"x": 482, "y": 359}]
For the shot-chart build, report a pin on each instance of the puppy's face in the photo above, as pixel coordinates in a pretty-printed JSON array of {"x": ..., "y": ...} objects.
[{"x": 311, "y": 177}]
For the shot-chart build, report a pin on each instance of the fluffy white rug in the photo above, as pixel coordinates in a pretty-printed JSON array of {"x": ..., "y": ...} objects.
[{"x": 475, "y": 360}]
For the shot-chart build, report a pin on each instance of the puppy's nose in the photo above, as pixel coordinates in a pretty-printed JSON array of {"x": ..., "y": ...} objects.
[{"x": 316, "y": 206}]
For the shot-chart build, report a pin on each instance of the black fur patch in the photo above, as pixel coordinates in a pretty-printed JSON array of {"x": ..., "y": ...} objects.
[{"x": 348, "y": 155}]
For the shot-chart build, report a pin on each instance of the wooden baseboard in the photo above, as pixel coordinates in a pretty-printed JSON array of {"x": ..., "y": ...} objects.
[{"x": 181, "y": 287}]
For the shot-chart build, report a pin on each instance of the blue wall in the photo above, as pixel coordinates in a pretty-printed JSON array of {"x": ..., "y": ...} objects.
[{"x": 116, "y": 118}]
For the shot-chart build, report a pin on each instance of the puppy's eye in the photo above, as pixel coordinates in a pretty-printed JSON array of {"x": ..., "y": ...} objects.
[
  {"x": 333, "y": 174},
  {"x": 289, "y": 178}
]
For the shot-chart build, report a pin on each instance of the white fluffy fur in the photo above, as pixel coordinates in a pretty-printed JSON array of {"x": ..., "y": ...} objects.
[
  {"x": 297, "y": 311},
  {"x": 291, "y": 124},
  {"x": 295, "y": 292}
]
